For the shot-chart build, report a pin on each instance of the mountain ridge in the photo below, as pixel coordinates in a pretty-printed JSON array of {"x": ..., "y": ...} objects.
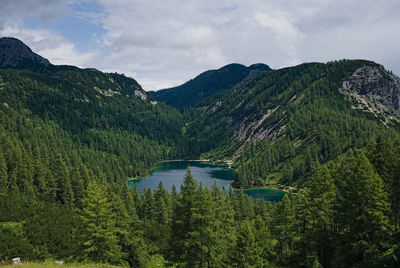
[
  {"x": 70, "y": 139},
  {"x": 14, "y": 53},
  {"x": 280, "y": 122},
  {"x": 208, "y": 83},
  {"x": 104, "y": 115},
  {"x": 272, "y": 123}
]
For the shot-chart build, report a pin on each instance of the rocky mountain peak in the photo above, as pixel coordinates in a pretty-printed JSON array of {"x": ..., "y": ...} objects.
[
  {"x": 13, "y": 52},
  {"x": 375, "y": 90}
]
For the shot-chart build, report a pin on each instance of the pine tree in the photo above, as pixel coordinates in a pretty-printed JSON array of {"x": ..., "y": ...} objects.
[
  {"x": 203, "y": 236},
  {"x": 84, "y": 173},
  {"x": 385, "y": 155},
  {"x": 65, "y": 194},
  {"x": 122, "y": 224},
  {"x": 395, "y": 204},
  {"x": 100, "y": 241},
  {"x": 133, "y": 241},
  {"x": 243, "y": 206},
  {"x": 163, "y": 206},
  {"x": 284, "y": 228},
  {"x": 3, "y": 174},
  {"x": 224, "y": 229},
  {"x": 24, "y": 175},
  {"x": 182, "y": 244},
  {"x": 264, "y": 241},
  {"x": 52, "y": 189},
  {"x": 174, "y": 196},
  {"x": 247, "y": 253},
  {"x": 136, "y": 199},
  {"x": 147, "y": 209},
  {"x": 319, "y": 213},
  {"x": 39, "y": 178},
  {"x": 362, "y": 210},
  {"x": 129, "y": 200},
  {"x": 77, "y": 187}
]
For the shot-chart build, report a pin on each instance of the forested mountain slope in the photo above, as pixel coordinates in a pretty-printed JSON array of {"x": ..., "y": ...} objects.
[
  {"x": 273, "y": 124},
  {"x": 276, "y": 124},
  {"x": 55, "y": 116},
  {"x": 70, "y": 138},
  {"x": 208, "y": 83},
  {"x": 62, "y": 129}
]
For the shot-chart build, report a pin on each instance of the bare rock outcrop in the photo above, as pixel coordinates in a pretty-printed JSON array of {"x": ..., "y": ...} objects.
[
  {"x": 140, "y": 95},
  {"x": 374, "y": 90},
  {"x": 254, "y": 130}
]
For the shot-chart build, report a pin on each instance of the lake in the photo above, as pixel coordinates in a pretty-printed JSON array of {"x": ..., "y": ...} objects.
[{"x": 172, "y": 173}]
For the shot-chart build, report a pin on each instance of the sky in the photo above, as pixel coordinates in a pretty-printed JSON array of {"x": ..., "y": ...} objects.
[{"x": 164, "y": 43}]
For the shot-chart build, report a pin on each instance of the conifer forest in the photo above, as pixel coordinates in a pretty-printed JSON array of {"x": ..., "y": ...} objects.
[{"x": 325, "y": 133}]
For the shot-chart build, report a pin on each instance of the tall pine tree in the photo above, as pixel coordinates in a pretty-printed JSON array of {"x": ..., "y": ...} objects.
[
  {"x": 99, "y": 234},
  {"x": 362, "y": 211}
]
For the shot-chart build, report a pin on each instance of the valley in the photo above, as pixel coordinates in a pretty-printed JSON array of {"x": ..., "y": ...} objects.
[{"x": 325, "y": 133}]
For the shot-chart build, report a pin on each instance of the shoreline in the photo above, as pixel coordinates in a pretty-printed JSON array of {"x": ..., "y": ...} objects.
[
  {"x": 228, "y": 163},
  {"x": 265, "y": 188},
  {"x": 214, "y": 162},
  {"x": 164, "y": 161}
]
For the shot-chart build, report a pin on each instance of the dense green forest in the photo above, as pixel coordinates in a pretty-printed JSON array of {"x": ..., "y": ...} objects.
[
  {"x": 276, "y": 124},
  {"x": 66, "y": 103},
  {"x": 70, "y": 139},
  {"x": 273, "y": 126},
  {"x": 348, "y": 216}
]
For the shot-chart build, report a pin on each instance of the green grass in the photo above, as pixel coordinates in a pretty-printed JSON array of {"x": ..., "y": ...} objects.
[{"x": 51, "y": 265}]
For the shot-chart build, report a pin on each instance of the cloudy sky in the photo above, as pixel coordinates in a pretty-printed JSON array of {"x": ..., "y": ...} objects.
[{"x": 163, "y": 43}]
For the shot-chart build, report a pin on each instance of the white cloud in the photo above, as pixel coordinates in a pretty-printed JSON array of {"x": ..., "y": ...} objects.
[
  {"x": 284, "y": 31},
  {"x": 48, "y": 44},
  {"x": 176, "y": 41},
  {"x": 14, "y": 11},
  {"x": 164, "y": 43},
  {"x": 51, "y": 46}
]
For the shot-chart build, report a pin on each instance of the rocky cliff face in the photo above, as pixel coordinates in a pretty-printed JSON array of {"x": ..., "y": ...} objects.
[
  {"x": 374, "y": 90},
  {"x": 254, "y": 129},
  {"x": 13, "y": 52}
]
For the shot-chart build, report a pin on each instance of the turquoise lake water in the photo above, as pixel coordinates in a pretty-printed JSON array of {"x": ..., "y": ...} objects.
[{"x": 172, "y": 173}]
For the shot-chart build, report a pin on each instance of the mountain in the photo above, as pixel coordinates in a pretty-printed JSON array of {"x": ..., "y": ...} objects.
[
  {"x": 70, "y": 138},
  {"x": 208, "y": 83},
  {"x": 105, "y": 121},
  {"x": 15, "y": 54},
  {"x": 273, "y": 124},
  {"x": 276, "y": 125}
]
